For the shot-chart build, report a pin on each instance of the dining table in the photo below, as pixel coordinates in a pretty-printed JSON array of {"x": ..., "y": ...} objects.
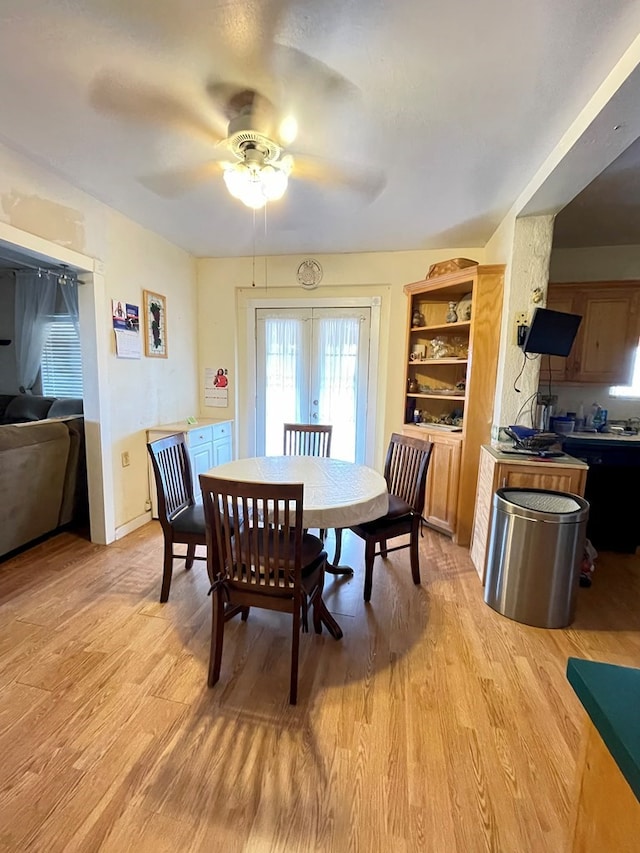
[{"x": 337, "y": 494}]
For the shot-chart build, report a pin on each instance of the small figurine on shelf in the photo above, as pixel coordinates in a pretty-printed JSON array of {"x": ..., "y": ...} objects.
[
  {"x": 412, "y": 385},
  {"x": 417, "y": 417},
  {"x": 418, "y": 318},
  {"x": 452, "y": 314}
]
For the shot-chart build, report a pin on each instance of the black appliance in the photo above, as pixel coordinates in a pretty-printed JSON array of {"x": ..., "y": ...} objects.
[
  {"x": 551, "y": 332},
  {"x": 613, "y": 480}
]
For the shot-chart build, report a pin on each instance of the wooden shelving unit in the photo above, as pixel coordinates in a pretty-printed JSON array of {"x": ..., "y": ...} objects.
[{"x": 470, "y": 359}]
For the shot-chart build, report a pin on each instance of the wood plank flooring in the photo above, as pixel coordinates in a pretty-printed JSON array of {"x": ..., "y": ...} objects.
[{"x": 434, "y": 725}]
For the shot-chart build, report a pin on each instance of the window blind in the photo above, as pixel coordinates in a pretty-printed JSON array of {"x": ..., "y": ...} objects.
[{"x": 61, "y": 366}]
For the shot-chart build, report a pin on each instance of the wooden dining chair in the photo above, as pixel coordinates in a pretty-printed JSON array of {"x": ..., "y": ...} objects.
[
  {"x": 307, "y": 439},
  {"x": 405, "y": 471},
  {"x": 311, "y": 440},
  {"x": 181, "y": 518},
  {"x": 263, "y": 559}
]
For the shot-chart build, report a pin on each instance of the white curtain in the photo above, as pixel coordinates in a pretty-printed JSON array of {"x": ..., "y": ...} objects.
[
  {"x": 283, "y": 378},
  {"x": 338, "y": 340},
  {"x": 69, "y": 291},
  {"x": 35, "y": 303}
]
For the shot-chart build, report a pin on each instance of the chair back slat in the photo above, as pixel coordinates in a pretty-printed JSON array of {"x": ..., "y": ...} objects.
[
  {"x": 307, "y": 439},
  {"x": 254, "y": 533},
  {"x": 406, "y": 469},
  {"x": 172, "y": 471}
]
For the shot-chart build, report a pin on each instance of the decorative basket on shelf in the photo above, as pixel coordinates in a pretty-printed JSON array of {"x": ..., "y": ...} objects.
[{"x": 452, "y": 265}]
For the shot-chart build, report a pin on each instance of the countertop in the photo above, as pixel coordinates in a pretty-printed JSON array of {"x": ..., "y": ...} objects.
[
  {"x": 183, "y": 426},
  {"x": 594, "y": 439},
  {"x": 497, "y": 451},
  {"x": 611, "y": 697}
]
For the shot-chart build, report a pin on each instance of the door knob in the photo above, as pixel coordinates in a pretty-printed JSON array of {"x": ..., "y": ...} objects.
[
  {"x": 315, "y": 402},
  {"x": 315, "y": 415}
]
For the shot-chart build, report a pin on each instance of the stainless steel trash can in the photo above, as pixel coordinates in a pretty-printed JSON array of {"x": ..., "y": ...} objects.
[{"x": 536, "y": 545}]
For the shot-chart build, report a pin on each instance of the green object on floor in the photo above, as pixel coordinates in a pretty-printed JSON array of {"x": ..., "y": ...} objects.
[{"x": 611, "y": 697}]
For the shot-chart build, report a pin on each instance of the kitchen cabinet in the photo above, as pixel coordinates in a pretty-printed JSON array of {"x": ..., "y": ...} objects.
[
  {"x": 450, "y": 373},
  {"x": 210, "y": 443},
  {"x": 498, "y": 470},
  {"x": 441, "y": 495},
  {"x": 607, "y": 340}
]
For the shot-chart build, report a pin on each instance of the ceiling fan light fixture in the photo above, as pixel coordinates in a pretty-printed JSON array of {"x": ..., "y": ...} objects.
[{"x": 254, "y": 184}]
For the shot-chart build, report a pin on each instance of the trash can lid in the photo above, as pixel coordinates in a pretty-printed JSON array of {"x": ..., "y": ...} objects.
[
  {"x": 545, "y": 504},
  {"x": 542, "y": 501}
]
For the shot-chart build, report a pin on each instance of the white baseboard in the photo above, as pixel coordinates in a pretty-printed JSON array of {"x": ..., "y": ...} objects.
[{"x": 132, "y": 525}]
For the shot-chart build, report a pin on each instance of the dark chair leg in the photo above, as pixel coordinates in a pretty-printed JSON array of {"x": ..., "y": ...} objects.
[
  {"x": 369, "y": 556},
  {"x": 217, "y": 636},
  {"x": 383, "y": 549},
  {"x": 191, "y": 550},
  {"x": 317, "y": 606},
  {"x": 245, "y": 614},
  {"x": 167, "y": 571},
  {"x": 336, "y": 556},
  {"x": 295, "y": 649},
  {"x": 413, "y": 550}
]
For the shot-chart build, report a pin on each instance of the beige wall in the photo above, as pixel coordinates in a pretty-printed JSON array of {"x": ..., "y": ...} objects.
[
  {"x": 595, "y": 263},
  {"x": 148, "y": 391},
  {"x": 139, "y": 393},
  {"x": 224, "y": 286}
]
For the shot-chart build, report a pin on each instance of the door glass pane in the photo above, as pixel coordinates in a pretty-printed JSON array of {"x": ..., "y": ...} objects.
[
  {"x": 336, "y": 345},
  {"x": 283, "y": 379}
]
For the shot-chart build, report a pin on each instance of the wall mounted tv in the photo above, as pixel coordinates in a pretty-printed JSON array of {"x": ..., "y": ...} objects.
[{"x": 551, "y": 332}]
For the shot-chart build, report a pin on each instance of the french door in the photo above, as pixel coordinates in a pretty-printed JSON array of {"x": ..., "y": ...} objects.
[{"x": 312, "y": 366}]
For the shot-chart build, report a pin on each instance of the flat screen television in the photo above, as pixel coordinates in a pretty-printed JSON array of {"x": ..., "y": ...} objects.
[{"x": 551, "y": 332}]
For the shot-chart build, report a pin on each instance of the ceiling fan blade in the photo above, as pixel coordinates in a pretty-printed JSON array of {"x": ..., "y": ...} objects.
[
  {"x": 173, "y": 184},
  {"x": 145, "y": 104},
  {"x": 309, "y": 76},
  {"x": 369, "y": 182}
]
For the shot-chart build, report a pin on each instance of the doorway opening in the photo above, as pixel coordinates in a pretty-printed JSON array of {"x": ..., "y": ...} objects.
[{"x": 315, "y": 361}]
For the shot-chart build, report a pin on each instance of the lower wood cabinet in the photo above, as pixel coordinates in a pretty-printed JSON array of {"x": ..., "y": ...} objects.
[
  {"x": 441, "y": 497},
  {"x": 499, "y": 470},
  {"x": 210, "y": 444}
]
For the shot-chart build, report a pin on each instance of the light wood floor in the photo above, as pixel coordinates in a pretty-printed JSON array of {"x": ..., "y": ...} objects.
[{"x": 434, "y": 725}]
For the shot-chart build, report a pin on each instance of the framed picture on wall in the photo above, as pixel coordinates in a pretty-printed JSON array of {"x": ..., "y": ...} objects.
[{"x": 154, "y": 307}]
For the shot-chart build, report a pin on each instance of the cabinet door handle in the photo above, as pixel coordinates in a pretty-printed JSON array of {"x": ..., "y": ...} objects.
[{"x": 504, "y": 482}]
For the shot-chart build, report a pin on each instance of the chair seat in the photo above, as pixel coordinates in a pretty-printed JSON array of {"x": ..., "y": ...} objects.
[
  {"x": 190, "y": 520},
  {"x": 312, "y": 548},
  {"x": 398, "y": 507},
  {"x": 399, "y": 511}
]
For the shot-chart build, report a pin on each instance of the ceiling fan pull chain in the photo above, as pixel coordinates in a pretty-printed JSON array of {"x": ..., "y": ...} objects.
[
  {"x": 253, "y": 261},
  {"x": 265, "y": 246}
]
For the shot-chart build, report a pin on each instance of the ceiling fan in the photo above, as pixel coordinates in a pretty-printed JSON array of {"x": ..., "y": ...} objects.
[{"x": 255, "y": 155}]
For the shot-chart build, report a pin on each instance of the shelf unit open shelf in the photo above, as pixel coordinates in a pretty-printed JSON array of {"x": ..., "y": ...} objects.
[{"x": 477, "y": 295}]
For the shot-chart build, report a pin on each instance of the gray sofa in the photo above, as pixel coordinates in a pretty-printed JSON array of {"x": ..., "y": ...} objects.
[{"x": 42, "y": 478}]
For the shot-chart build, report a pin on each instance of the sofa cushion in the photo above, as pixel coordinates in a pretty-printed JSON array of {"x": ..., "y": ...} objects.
[
  {"x": 63, "y": 407},
  {"x": 27, "y": 407}
]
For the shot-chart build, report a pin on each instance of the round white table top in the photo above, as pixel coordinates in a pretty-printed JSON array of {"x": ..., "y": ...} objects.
[{"x": 336, "y": 493}]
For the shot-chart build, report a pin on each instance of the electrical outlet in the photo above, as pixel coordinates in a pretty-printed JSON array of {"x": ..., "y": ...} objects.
[{"x": 125, "y": 458}]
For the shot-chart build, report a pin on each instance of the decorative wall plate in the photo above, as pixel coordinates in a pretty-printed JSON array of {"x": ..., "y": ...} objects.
[{"x": 309, "y": 274}]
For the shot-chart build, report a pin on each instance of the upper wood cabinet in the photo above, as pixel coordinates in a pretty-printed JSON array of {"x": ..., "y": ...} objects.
[{"x": 605, "y": 347}]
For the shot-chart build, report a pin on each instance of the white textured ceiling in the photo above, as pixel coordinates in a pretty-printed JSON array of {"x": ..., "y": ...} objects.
[{"x": 457, "y": 102}]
